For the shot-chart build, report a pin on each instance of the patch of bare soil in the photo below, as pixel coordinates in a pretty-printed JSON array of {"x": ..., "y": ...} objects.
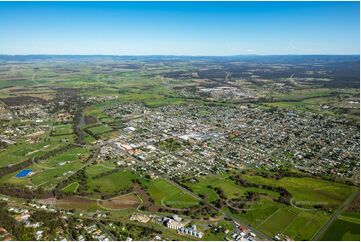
[{"x": 121, "y": 202}]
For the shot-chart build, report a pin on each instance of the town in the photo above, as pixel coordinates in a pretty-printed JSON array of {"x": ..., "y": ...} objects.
[{"x": 177, "y": 149}]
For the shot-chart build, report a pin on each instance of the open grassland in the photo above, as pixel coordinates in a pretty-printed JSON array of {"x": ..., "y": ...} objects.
[
  {"x": 88, "y": 139},
  {"x": 16, "y": 83},
  {"x": 205, "y": 186},
  {"x": 49, "y": 177},
  {"x": 259, "y": 211},
  {"x": 62, "y": 129},
  {"x": 43, "y": 176},
  {"x": 299, "y": 221},
  {"x": 166, "y": 194},
  {"x": 74, "y": 154},
  {"x": 314, "y": 100},
  {"x": 72, "y": 187},
  {"x": 94, "y": 111},
  {"x": 115, "y": 182},
  {"x": 346, "y": 228},
  {"x": 97, "y": 169},
  {"x": 100, "y": 129},
  {"x": 25, "y": 148},
  {"x": 308, "y": 191},
  {"x": 109, "y": 135},
  {"x": 302, "y": 94}
]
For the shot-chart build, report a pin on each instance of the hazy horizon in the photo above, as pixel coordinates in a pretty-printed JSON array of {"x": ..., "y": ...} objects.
[{"x": 177, "y": 55}]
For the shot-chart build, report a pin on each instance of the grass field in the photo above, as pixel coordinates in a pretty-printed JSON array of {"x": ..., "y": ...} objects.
[
  {"x": 260, "y": 210},
  {"x": 115, "y": 182},
  {"x": 23, "y": 149},
  {"x": 47, "y": 173},
  {"x": 230, "y": 189},
  {"x": 74, "y": 154},
  {"x": 301, "y": 94},
  {"x": 72, "y": 187},
  {"x": 167, "y": 194},
  {"x": 62, "y": 129},
  {"x": 43, "y": 176},
  {"x": 312, "y": 99},
  {"x": 94, "y": 170},
  {"x": 346, "y": 228},
  {"x": 272, "y": 218},
  {"x": 309, "y": 191}
]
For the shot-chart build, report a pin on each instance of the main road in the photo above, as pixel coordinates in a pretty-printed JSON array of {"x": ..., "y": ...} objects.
[{"x": 340, "y": 210}]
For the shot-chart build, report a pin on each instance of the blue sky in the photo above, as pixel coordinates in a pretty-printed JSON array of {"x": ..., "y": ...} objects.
[{"x": 179, "y": 28}]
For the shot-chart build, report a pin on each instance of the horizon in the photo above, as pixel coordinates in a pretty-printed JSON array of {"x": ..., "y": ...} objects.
[
  {"x": 179, "y": 28},
  {"x": 180, "y": 55}
]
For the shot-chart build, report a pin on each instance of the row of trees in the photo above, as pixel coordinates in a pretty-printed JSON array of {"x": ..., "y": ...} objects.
[
  {"x": 22, "y": 192},
  {"x": 285, "y": 196}
]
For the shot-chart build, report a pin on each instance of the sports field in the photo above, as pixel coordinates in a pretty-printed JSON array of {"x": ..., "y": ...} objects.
[
  {"x": 167, "y": 194},
  {"x": 62, "y": 129},
  {"x": 100, "y": 129},
  {"x": 346, "y": 228},
  {"x": 274, "y": 218}
]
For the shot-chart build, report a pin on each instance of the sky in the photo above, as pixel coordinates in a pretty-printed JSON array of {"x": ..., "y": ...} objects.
[{"x": 180, "y": 28}]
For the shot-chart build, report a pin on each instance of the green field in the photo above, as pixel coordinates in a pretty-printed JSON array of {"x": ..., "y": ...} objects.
[
  {"x": 259, "y": 211},
  {"x": 97, "y": 169},
  {"x": 23, "y": 149},
  {"x": 299, "y": 221},
  {"x": 230, "y": 189},
  {"x": 72, "y": 187},
  {"x": 43, "y": 176},
  {"x": 115, "y": 182},
  {"x": 274, "y": 218},
  {"x": 167, "y": 194},
  {"x": 47, "y": 173},
  {"x": 312, "y": 99},
  {"x": 308, "y": 191},
  {"x": 345, "y": 227},
  {"x": 62, "y": 129}
]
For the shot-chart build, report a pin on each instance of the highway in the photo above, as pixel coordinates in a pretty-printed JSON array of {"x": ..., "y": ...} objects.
[{"x": 340, "y": 210}]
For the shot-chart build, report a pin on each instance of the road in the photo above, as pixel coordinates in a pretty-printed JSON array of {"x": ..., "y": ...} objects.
[
  {"x": 105, "y": 230},
  {"x": 340, "y": 210}
]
